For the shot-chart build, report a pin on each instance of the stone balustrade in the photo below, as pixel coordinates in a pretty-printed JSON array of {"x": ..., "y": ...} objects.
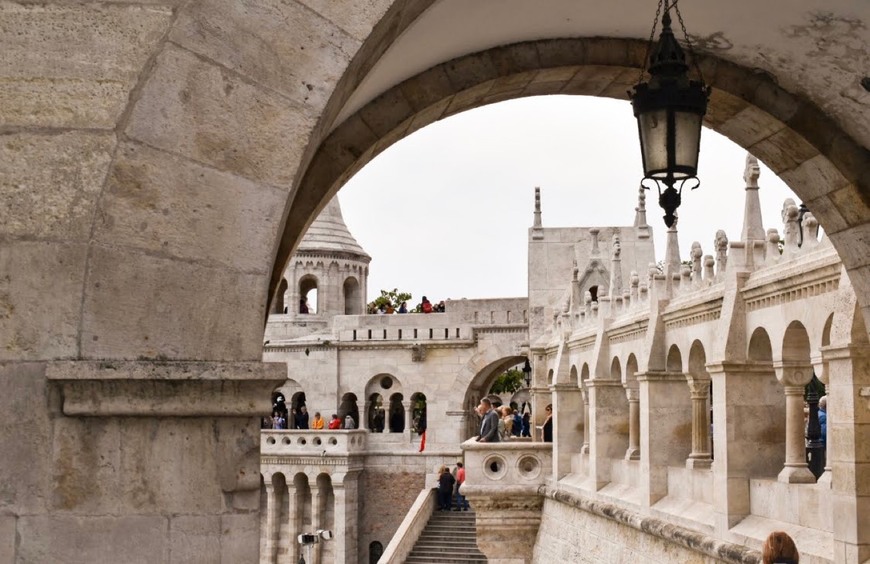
[
  {"x": 313, "y": 443},
  {"x": 502, "y": 483}
]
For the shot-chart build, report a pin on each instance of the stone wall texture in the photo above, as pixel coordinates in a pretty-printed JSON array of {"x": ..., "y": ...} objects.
[{"x": 568, "y": 534}]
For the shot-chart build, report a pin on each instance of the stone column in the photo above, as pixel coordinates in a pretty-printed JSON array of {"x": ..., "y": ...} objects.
[
  {"x": 665, "y": 420},
  {"x": 700, "y": 457},
  {"x": 794, "y": 377},
  {"x": 345, "y": 489},
  {"x": 585, "y": 448},
  {"x": 747, "y": 403},
  {"x": 607, "y": 436},
  {"x": 457, "y": 427},
  {"x": 272, "y": 515},
  {"x": 409, "y": 418},
  {"x": 633, "y": 396},
  {"x": 848, "y": 449},
  {"x": 362, "y": 409},
  {"x": 567, "y": 417},
  {"x": 318, "y": 501},
  {"x": 294, "y": 526}
]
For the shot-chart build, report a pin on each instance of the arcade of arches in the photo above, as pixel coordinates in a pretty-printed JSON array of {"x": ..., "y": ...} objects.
[{"x": 161, "y": 160}]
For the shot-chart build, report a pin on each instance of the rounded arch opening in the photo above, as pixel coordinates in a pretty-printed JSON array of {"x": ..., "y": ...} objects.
[
  {"x": 308, "y": 296},
  {"x": 760, "y": 349},
  {"x": 352, "y": 297},
  {"x": 674, "y": 361}
]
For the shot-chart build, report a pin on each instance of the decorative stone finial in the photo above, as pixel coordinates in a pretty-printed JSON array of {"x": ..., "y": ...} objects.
[
  {"x": 537, "y": 220},
  {"x": 640, "y": 210},
  {"x": 810, "y": 226},
  {"x": 696, "y": 255},
  {"x": 720, "y": 243},
  {"x": 615, "y": 268},
  {"x": 593, "y": 233},
  {"x": 790, "y": 228},
  {"x": 751, "y": 172},
  {"x": 753, "y": 229}
]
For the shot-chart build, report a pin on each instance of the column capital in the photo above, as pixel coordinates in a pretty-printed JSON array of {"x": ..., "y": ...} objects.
[
  {"x": 659, "y": 376},
  {"x": 632, "y": 394},
  {"x": 791, "y": 373}
]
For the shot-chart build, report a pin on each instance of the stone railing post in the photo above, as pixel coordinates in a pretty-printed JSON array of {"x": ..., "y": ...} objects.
[
  {"x": 794, "y": 377},
  {"x": 700, "y": 457},
  {"x": 633, "y": 396}
]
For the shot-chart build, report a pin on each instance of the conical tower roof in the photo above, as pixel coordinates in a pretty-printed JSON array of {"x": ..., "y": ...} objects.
[{"x": 328, "y": 233}]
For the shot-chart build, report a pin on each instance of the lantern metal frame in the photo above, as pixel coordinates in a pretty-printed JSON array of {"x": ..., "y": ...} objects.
[
  {"x": 669, "y": 92},
  {"x": 527, "y": 373}
]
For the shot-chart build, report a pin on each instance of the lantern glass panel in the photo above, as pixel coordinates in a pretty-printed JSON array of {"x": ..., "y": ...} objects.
[
  {"x": 654, "y": 141},
  {"x": 688, "y": 139}
]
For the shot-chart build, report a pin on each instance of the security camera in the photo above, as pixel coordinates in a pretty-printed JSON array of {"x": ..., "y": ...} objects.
[
  {"x": 325, "y": 534},
  {"x": 307, "y": 538}
]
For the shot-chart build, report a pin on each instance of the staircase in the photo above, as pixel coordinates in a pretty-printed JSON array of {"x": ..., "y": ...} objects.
[{"x": 449, "y": 537}]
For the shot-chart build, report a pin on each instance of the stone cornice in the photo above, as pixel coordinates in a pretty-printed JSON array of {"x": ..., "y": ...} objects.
[
  {"x": 165, "y": 388},
  {"x": 630, "y": 332},
  {"x": 804, "y": 278},
  {"x": 678, "y": 315}
]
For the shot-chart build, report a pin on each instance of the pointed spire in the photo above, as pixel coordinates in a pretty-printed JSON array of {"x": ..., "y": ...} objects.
[
  {"x": 329, "y": 233},
  {"x": 640, "y": 210},
  {"x": 537, "y": 222},
  {"x": 753, "y": 230},
  {"x": 672, "y": 250}
]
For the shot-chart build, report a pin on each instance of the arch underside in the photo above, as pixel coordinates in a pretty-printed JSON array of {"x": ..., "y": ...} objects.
[{"x": 806, "y": 148}]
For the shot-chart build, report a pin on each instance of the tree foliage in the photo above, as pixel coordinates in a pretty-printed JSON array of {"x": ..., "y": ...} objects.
[
  {"x": 392, "y": 298},
  {"x": 508, "y": 383}
]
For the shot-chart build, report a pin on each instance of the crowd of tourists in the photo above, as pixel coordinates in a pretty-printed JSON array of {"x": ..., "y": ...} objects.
[{"x": 504, "y": 422}]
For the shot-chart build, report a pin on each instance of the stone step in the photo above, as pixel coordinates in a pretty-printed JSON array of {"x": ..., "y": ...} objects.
[
  {"x": 431, "y": 559},
  {"x": 445, "y": 547},
  {"x": 427, "y": 535},
  {"x": 447, "y": 557}
]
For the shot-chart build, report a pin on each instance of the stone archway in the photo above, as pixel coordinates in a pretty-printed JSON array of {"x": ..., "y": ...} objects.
[{"x": 161, "y": 160}]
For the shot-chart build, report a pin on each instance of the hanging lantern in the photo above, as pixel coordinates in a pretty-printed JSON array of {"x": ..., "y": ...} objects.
[{"x": 669, "y": 109}]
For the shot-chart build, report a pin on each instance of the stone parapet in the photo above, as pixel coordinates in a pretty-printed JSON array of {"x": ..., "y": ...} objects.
[{"x": 313, "y": 443}]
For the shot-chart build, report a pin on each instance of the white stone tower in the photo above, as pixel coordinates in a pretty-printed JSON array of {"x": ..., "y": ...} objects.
[{"x": 330, "y": 269}]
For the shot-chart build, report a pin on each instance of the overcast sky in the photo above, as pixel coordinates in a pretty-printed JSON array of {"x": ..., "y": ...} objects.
[{"x": 445, "y": 212}]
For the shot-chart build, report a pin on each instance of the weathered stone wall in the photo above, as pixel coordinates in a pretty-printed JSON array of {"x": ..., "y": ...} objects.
[
  {"x": 569, "y": 534},
  {"x": 387, "y": 495}
]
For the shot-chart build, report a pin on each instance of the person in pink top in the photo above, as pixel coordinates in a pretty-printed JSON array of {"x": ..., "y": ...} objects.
[{"x": 461, "y": 502}]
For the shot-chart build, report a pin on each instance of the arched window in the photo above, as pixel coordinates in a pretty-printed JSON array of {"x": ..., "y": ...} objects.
[
  {"x": 280, "y": 306},
  {"x": 376, "y": 550},
  {"x": 349, "y": 407},
  {"x": 308, "y": 295},
  {"x": 352, "y": 301},
  {"x": 418, "y": 413},
  {"x": 377, "y": 417},
  {"x": 593, "y": 291},
  {"x": 397, "y": 414}
]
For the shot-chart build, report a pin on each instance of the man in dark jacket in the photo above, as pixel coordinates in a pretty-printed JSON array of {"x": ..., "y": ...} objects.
[{"x": 489, "y": 425}]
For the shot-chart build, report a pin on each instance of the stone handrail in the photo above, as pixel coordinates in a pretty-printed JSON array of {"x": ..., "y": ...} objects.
[
  {"x": 411, "y": 528},
  {"x": 307, "y": 442}
]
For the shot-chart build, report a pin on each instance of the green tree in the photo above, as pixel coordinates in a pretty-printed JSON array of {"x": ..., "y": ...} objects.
[
  {"x": 392, "y": 298},
  {"x": 508, "y": 383}
]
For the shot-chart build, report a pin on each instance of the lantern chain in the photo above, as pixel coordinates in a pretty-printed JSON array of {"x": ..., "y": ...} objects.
[
  {"x": 649, "y": 43},
  {"x": 688, "y": 41}
]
